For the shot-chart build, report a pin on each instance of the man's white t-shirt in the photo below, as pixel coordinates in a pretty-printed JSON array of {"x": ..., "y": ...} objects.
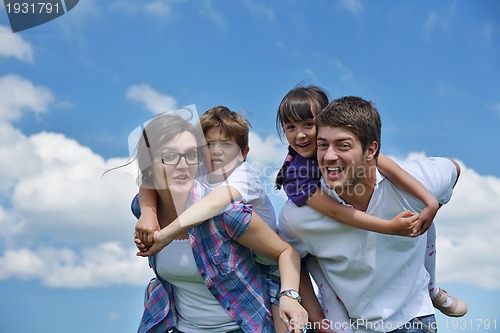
[{"x": 381, "y": 279}]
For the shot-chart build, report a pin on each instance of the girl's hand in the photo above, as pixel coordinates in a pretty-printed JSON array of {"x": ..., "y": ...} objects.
[
  {"x": 145, "y": 229},
  {"x": 426, "y": 217},
  {"x": 403, "y": 224},
  {"x": 161, "y": 239},
  {"x": 157, "y": 246},
  {"x": 139, "y": 244},
  {"x": 293, "y": 314}
]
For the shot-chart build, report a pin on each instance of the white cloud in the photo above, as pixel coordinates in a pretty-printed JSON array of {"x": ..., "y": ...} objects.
[
  {"x": 14, "y": 148},
  {"x": 74, "y": 22},
  {"x": 354, "y": 6},
  {"x": 266, "y": 154},
  {"x": 104, "y": 265},
  {"x": 260, "y": 10},
  {"x": 13, "y": 45},
  {"x": 496, "y": 108},
  {"x": 341, "y": 69},
  {"x": 52, "y": 192},
  {"x": 268, "y": 151},
  {"x": 18, "y": 94},
  {"x": 442, "y": 21},
  {"x": 151, "y": 99},
  {"x": 74, "y": 204},
  {"x": 212, "y": 14},
  {"x": 12, "y": 227},
  {"x": 344, "y": 71},
  {"x": 468, "y": 228},
  {"x": 114, "y": 316},
  {"x": 50, "y": 185},
  {"x": 429, "y": 25},
  {"x": 158, "y": 8},
  {"x": 491, "y": 30},
  {"x": 447, "y": 90},
  {"x": 308, "y": 73}
]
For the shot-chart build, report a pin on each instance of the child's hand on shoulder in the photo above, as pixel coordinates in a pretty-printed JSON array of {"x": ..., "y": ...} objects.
[
  {"x": 403, "y": 224},
  {"x": 426, "y": 217}
]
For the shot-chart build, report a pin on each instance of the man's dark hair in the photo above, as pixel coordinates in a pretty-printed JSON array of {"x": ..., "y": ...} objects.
[{"x": 354, "y": 113}]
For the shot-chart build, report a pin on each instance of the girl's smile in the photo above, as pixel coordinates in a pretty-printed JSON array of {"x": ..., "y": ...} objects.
[{"x": 301, "y": 136}]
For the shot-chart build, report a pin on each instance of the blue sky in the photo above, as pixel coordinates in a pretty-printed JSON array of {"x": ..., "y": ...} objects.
[{"x": 71, "y": 91}]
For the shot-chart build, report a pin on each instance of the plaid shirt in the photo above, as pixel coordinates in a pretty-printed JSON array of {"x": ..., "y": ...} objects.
[{"x": 227, "y": 268}]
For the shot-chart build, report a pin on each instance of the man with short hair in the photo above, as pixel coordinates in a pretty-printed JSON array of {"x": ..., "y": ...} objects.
[{"x": 381, "y": 279}]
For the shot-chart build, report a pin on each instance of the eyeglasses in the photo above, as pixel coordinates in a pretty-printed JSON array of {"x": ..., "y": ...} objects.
[{"x": 171, "y": 158}]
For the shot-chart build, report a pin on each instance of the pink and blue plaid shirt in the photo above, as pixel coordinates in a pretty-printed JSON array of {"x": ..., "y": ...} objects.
[{"x": 227, "y": 268}]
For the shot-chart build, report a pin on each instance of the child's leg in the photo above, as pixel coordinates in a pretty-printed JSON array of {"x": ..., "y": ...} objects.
[
  {"x": 333, "y": 308},
  {"x": 447, "y": 304},
  {"x": 149, "y": 290},
  {"x": 430, "y": 260}
]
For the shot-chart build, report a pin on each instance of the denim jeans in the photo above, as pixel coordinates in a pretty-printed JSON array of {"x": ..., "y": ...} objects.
[{"x": 425, "y": 324}]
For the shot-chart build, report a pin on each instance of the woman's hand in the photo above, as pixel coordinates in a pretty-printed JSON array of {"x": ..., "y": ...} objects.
[{"x": 293, "y": 314}]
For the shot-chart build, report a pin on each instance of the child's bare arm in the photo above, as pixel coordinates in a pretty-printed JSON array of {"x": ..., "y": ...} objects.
[
  {"x": 148, "y": 221},
  {"x": 210, "y": 206},
  {"x": 402, "y": 224},
  {"x": 410, "y": 185}
]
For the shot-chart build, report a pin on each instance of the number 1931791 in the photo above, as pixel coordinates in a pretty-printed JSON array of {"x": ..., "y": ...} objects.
[
  {"x": 470, "y": 324},
  {"x": 32, "y": 8}
]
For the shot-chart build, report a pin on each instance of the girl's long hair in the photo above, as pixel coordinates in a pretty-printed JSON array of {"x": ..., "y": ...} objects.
[{"x": 299, "y": 104}]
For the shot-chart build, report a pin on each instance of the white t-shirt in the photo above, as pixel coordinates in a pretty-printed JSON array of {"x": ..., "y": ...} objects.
[
  {"x": 197, "y": 309},
  {"x": 245, "y": 179},
  {"x": 381, "y": 279}
]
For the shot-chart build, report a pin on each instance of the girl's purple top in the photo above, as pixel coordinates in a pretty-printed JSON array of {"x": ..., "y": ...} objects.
[{"x": 301, "y": 179}]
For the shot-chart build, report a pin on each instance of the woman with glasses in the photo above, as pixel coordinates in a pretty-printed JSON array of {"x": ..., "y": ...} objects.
[{"x": 206, "y": 279}]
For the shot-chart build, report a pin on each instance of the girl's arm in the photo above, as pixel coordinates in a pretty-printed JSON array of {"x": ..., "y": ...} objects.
[
  {"x": 410, "y": 185},
  {"x": 148, "y": 221},
  {"x": 262, "y": 239},
  {"x": 402, "y": 224},
  {"x": 208, "y": 207}
]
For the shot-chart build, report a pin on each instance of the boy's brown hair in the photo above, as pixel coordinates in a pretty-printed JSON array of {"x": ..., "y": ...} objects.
[{"x": 230, "y": 123}]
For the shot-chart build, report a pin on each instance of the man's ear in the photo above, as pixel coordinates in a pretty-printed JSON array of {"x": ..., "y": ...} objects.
[
  {"x": 372, "y": 150},
  {"x": 244, "y": 153}
]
